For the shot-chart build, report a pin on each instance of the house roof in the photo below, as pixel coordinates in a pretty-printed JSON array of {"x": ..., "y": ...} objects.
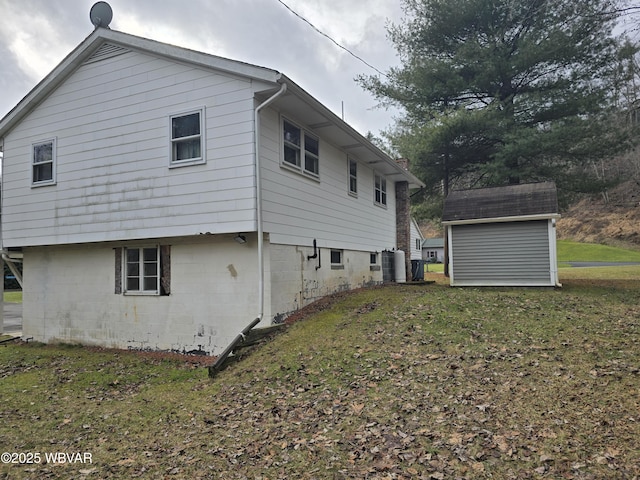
[
  {"x": 433, "y": 243},
  {"x": 513, "y": 201},
  {"x": 296, "y": 101}
]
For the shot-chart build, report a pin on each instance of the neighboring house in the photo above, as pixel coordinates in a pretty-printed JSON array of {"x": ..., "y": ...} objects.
[
  {"x": 416, "y": 241},
  {"x": 163, "y": 198},
  {"x": 503, "y": 236},
  {"x": 433, "y": 250}
]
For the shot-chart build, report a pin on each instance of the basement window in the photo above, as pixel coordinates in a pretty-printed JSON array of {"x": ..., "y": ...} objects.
[
  {"x": 336, "y": 260},
  {"x": 43, "y": 162},
  {"x": 373, "y": 262},
  {"x": 143, "y": 270},
  {"x": 301, "y": 149}
]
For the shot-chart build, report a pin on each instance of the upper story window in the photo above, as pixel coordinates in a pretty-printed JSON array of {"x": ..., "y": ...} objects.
[
  {"x": 43, "y": 163},
  {"x": 187, "y": 141},
  {"x": 301, "y": 149},
  {"x": 380, "y": 190},
  {"x": 353, "y": 177}
]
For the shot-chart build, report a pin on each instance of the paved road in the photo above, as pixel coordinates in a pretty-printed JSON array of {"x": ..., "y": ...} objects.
[
  {"x": 12, "y": 318},
  {"x": 602, "y": 264}
]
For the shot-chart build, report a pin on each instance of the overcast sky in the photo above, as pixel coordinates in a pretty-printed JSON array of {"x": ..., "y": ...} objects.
[{"x": 35, "y": 35}]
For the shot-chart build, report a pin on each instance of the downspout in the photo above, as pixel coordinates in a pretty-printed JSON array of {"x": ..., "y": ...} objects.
[{"x": 256, "y": 120}]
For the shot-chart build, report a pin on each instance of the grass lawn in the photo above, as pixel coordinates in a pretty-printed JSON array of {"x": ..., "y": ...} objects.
[
  {"x": 13, "y": 297},
  {"x": 424, "y": 382},
  {"x": 588, "y": 252}
]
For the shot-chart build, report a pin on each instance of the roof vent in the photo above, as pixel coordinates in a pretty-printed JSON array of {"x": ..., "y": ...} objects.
[{"x": 107, "y": 50}]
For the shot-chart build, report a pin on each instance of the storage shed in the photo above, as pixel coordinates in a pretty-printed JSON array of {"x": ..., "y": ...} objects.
[{"x": 502, "y": 236}]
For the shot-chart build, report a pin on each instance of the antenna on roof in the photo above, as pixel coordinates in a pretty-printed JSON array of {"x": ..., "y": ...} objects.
[{"x": 101, "y": 14}]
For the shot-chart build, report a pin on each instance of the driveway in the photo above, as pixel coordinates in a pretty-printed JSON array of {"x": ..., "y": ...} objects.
[
  {"x": 601, "y": 264},
  {"x": 12, "y": 319}
]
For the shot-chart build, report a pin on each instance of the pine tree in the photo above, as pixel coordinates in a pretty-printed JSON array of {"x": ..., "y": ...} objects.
[{"x": 504, "y": 91}]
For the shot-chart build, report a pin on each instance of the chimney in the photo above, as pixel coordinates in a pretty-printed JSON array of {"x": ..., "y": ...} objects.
[
  {"x": 403, "y": 224},
  {"x": 403, "y": 162}
]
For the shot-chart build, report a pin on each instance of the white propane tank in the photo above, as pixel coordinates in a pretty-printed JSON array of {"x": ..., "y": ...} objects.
[{"x": 400, "y": 267}]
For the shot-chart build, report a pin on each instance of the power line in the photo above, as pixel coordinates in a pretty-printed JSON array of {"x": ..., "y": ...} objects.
[{"x": 327, "y": 36}]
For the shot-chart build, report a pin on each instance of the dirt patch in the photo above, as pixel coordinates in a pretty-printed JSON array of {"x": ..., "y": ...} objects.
[{"x": 611, "y": 220}]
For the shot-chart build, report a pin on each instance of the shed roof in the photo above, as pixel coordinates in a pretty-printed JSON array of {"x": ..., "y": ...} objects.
[{"x": 526, "y": 200}]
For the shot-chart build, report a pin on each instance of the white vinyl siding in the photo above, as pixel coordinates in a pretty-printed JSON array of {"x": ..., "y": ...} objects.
[
  {"x": 112, "y": 129},
  {"x": 510, "y": 253},
  {"x": 296, "y": 212}
]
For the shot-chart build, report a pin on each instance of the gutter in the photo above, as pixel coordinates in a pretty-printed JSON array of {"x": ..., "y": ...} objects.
[
  {"x": 256, "y": 120},
  {"x": 516, "y": 218}
]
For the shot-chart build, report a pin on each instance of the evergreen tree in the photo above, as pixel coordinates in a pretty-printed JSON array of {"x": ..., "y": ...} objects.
[{"x": 504, "y": 91}]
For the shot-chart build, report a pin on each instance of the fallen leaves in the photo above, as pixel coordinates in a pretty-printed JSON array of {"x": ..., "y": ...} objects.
[{"x": 392, "y": 383}]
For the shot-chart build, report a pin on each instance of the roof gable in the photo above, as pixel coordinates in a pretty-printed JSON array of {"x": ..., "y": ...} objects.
[
  {"x": 533, "y": 199},
  {"x": 104, "y": 42}
]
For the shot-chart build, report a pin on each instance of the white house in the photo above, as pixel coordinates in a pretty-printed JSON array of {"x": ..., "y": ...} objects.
[
  {"x": 163, "y": 198},
  {"x": 416, "y": 241},
  {"x": 433, "y": 249}
]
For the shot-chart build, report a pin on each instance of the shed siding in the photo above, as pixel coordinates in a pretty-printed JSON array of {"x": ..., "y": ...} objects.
[
  {"x": 111, "y": 122},
  {"x": 298, "y": 209},
  {"x": 515, "y": 253}
]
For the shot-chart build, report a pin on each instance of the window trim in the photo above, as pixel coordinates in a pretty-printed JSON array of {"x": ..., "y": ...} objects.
[
  {"x": 203, "y": 144},
  {"x": 382, "y": 190},
  {"x": 352, "y": 191},
  {"x": 300, "y": 166},
  {"x": 140, "y": 292},
  {"x": 54, "y": 161}
]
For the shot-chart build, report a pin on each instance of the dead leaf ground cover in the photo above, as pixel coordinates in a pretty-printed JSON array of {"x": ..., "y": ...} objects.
[{"x": 397, "y": 382}]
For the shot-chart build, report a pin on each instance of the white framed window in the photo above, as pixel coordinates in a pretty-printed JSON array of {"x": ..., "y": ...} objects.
[
  {"x": 353, "y": 177},
  {"x": 380, "y": 190},
  {"x": 418, "y": 244},
  {"x": 301, "y": 149},
  {"x": 43, "y": 163},
  {"x": 187, "y": 139},
  {"x": 142, "y": 270}
]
